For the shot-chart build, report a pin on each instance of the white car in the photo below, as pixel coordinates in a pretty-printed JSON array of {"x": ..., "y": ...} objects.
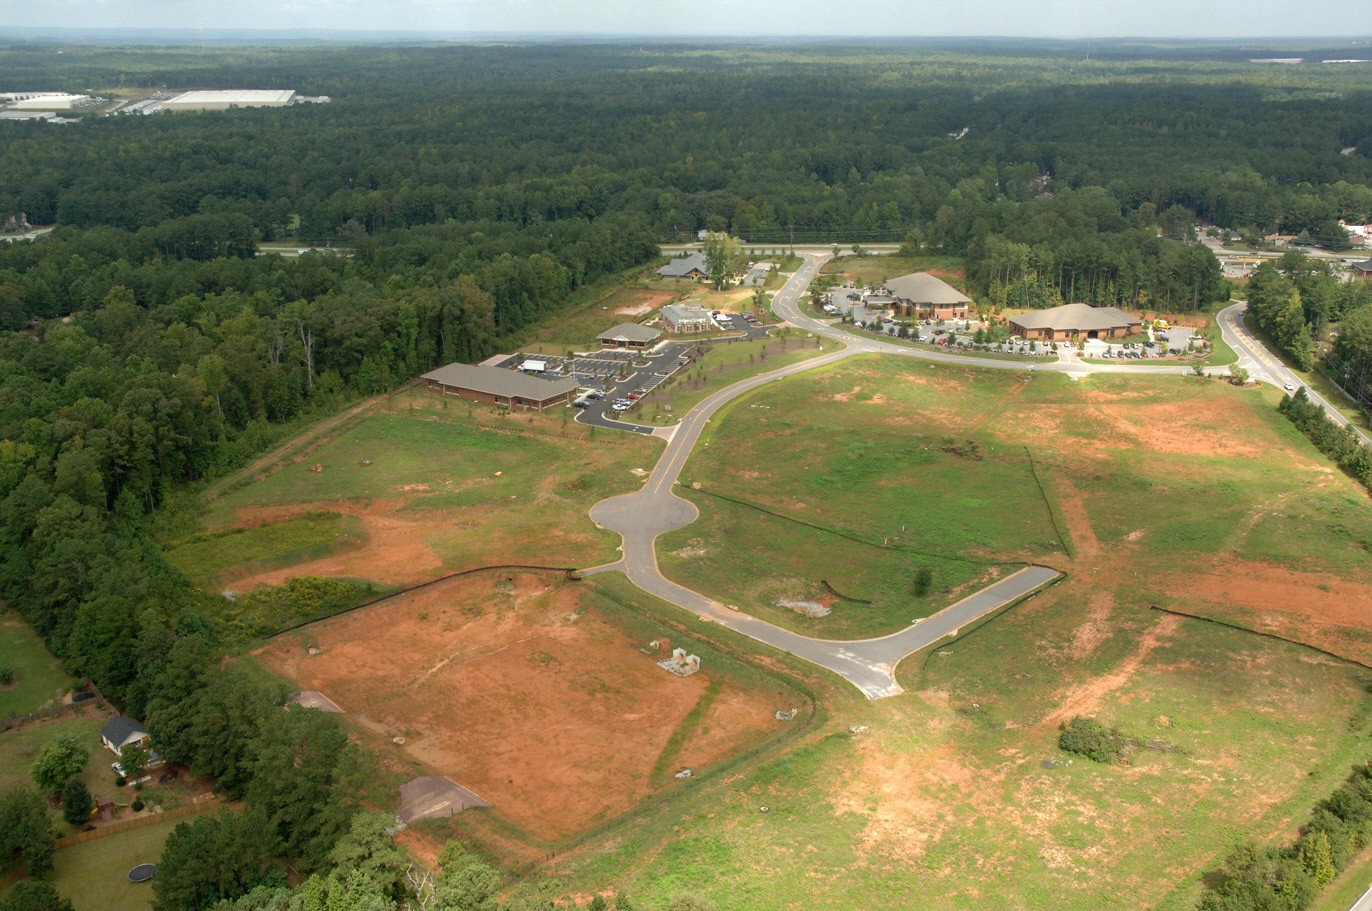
[{"x": 1289, "y": 387}]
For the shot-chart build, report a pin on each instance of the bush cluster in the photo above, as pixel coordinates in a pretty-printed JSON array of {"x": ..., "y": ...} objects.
[
  {"x": 1289, "y": 878},
  {"x": 1340, "y": 443},
  {"x": 1088, "y": 737}
]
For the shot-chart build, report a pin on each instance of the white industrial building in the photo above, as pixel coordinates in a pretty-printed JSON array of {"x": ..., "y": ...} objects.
[
  {"x": 217, "y": 100},
  {"x": 43, "y": 101}
]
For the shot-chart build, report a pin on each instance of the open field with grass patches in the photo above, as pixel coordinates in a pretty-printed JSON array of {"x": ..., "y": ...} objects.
[
  {"x": 95, "y": 876},
  {"x": 451, "y": 485},
  {"x": 955, "y": 795},
  {"x": 1178, "y": 479},
  {"x": 875, "y": 269},
  {"x": 38, "y": 676}
]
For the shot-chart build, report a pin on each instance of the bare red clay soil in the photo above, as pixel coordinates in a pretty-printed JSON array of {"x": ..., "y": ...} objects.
[
  {"x": 1321, "y": 610},
  {"x": 543, "y": 708}
]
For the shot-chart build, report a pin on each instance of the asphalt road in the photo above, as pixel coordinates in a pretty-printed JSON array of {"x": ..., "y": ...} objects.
[
  {"x": 1264, "y": 366},
  {"x": 1364, "y": 903},
  {"x": 641, "y": 516}
]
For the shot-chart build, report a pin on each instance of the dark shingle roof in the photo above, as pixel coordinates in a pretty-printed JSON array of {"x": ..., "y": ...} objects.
[
  {"x": 117, "y": 730},
  {"x": 679, "y": 268}
]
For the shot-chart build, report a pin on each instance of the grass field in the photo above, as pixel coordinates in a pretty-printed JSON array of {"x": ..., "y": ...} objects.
[
  {"x": 38, "y": 676},
  {"x": 1182, "y": 473},
  {"x": 94, "y": 875},
  {"x": 451, "y": 485},
  {"x": 267, "y": 546},
  {"x": 875, "y": 269},
  {"x": 19, "y": 748},
  {"x": 1172, "y": 492}
]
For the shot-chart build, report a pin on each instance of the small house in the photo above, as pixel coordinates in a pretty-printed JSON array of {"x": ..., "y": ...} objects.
[{"x": 122, "y": 731}]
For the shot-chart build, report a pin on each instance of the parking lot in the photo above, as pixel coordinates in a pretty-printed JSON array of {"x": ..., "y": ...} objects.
[{"x": 600, "y": 372}]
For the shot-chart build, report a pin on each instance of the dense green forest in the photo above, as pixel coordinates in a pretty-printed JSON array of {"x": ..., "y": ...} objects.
[{"x": 470, "y": 193}]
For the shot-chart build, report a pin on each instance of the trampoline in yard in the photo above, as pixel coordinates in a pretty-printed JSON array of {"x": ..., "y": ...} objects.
[{"x": 142, "y": 873}]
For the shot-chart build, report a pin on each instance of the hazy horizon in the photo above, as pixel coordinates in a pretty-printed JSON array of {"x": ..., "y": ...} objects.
[{"x": 722, "y": 19}]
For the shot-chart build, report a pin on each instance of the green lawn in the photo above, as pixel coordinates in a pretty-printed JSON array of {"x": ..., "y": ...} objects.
[
  {"x": 38, "y": 676},
  {"x": 488, "y": 489},
  {"x": 19, "y": 748},
  {"x": 266, "y": 547},
  {"x": 844, "y": 482},
  {"x": 95, "y": 875},
  {"x": 878, "y": 268}
]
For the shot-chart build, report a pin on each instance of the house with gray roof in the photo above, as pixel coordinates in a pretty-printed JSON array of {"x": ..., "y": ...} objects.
[
  {"x": 691, "y": 266},
  {"x": 1363, "y": 269},
  {"x": 500, "y": 386},
  {"x": 1074, "y": 321},
  {"x": 632, "y": 336},
  {"x": 122, "y": 731},
  {"x": 926, "y": 296}
]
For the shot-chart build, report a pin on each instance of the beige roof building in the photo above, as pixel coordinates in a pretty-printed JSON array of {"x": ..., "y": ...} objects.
[
  {"x": 1072, "y": 321},
  {"x": 925, "y": 296},
  {"x": 629, "y": 335}
]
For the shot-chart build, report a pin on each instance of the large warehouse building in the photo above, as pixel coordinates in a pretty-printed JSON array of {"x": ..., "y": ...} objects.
[
  {"x": 43, "y": 101},
  {"x": 231, "y": 98}
]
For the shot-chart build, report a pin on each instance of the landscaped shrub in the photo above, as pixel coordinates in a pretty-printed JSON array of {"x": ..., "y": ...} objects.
[
  {"x": 6, "y": 675},
  {"x": 1088, "y": 737}
]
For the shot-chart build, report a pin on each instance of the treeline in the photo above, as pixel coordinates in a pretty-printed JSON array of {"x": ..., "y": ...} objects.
[
  {"x": 1075, "y": 162},
  {"x": 1078, "y": 247},
  {"x": 1338, "y": 442},
  {"x": 1294, "y": 300},
  {"x": 1289, "y": 878}
]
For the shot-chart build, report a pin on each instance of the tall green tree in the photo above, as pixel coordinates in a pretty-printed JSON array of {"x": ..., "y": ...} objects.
[
  {"x": 26, "y": 832},
  {"x": 59, "y": 760}
]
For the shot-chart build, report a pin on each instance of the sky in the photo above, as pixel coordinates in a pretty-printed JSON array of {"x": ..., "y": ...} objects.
[{"x": 1199, "y": 19}]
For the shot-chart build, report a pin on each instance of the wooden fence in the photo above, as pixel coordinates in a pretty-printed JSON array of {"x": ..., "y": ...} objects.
[{"x": 202, "y": 805}]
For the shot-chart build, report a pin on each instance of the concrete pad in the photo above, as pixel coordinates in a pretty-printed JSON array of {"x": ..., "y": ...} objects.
[
  {"x": 312, "y": 699},
  {"x": 435, "y": 797}
]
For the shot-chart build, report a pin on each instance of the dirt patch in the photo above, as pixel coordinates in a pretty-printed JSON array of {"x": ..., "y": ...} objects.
[
  {"x": 1086, "y": 698},
  {"x": 1078, "y": 520},
  {"x": 846, "y": 396},
  {"x": 645, "y": 302},
  {"x": 1096, "y": 629},
  {"x": 510, "y": 687},
  {"x": 1314, "y": 608}
]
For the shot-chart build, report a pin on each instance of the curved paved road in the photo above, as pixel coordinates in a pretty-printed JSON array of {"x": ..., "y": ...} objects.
[
  {"x": 641, "y": 516},
  {"x": 1264, "y": 366}
]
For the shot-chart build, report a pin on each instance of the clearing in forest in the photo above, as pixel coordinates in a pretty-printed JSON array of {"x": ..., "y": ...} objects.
[{"x": 539, "y": 695}]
